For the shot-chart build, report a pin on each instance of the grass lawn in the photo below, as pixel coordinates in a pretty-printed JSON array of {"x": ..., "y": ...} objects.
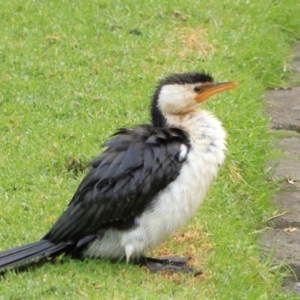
[{"x": 71, "y": 72}]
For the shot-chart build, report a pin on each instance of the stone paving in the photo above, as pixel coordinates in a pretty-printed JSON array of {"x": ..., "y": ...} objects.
[{"x": 284, "y": 238}]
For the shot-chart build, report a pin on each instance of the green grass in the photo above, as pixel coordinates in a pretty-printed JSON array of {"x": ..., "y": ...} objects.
[{"x": 71, "y": 72}]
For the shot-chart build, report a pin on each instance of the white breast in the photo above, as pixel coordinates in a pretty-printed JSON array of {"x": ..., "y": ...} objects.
[{"x": 177, "y": 203}]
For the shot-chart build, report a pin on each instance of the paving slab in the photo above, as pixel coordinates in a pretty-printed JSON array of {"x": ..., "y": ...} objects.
[
  {"x": 296, "y": 66},
  {"x": 289, "y": 145},
  {"x": 292, "y": 285},
  {"x": 284, "y": 108},
  {"x": 296, "y": 62},
  {"x": 288, "y": 202},
  {"x": 286, "y": 246},
  {"x": 285, "y": 168}
]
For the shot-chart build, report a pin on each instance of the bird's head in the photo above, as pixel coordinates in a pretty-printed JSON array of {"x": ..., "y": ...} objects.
[{"x": 180, "y": 94}]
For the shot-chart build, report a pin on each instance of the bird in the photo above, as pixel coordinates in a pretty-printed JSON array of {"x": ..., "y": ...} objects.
[{"x": 145, "y": 185}]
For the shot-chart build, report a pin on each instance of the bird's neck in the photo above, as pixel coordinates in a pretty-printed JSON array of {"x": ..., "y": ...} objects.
[{"x": 198, "y": 123}]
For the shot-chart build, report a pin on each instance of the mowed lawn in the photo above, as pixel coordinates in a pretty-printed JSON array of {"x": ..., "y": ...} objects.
[{"x": 72, "y": 72}]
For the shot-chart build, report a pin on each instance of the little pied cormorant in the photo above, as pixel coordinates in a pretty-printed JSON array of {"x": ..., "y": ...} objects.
[{"x": 147, "y": 184}]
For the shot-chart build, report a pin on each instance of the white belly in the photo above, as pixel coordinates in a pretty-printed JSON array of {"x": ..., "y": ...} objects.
[{"x": 173, "y": 206}]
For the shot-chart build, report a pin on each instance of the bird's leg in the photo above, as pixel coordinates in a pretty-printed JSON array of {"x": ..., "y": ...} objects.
[{"x": 169, "y": 263}]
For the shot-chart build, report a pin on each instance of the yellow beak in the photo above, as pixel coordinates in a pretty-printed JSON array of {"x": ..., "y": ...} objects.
[{"x": 212, "y": 88}]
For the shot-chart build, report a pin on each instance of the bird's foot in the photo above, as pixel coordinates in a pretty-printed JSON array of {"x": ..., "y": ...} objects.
[{"x": 168, "y": 263}]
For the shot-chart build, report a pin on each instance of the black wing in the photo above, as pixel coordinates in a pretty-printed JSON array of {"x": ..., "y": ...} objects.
[{"x": 137, "y": 164}]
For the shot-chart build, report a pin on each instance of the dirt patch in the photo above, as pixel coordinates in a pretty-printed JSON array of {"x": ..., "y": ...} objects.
[
  {"x": 189, "y": 242},
  {"x": 195, "y": 41},
  {"x": 189, "y": 41}
]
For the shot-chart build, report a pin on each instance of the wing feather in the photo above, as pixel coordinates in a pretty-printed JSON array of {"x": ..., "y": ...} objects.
[{"x": 137, "y": 164}]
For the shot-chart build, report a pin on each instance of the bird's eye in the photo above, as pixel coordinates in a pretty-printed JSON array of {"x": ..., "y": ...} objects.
[{"x": 197, "y": 89}]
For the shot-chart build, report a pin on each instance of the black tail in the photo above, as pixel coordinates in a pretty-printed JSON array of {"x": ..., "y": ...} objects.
[{"x": 23, "y": 254}]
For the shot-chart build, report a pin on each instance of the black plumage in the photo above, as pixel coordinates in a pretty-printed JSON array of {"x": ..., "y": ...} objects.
[
  {"x": 122, "y": 182},
  {"x": 140, "y": 159}
]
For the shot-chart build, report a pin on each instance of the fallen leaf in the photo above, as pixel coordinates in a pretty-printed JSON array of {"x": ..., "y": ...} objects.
[{"x": 290, "y": 229}]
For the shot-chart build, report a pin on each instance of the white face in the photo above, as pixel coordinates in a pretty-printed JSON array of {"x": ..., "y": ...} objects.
[{"x": 177, "y": 98}]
